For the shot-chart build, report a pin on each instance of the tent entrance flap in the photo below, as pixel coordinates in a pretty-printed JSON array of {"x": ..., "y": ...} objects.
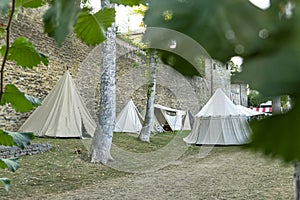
[{"x": 170, "y": 119}]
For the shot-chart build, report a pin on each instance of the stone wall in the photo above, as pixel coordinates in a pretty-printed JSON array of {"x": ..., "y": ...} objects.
[
  {"x": 9, "y": 152},
  {"x": 40, "y": 80},
  {"x": 217, "y": 76},
  {"x": 239, "y": 93},
  {"x": 173, "y": 89}
]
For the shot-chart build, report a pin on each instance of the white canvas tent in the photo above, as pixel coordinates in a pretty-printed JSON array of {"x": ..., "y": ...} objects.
[
  {"x": 156, "y": 128},
  {"x": 188, "y": 121},
  {"x": 169, "y": 116},
  {"x": 62, "y": 113},
  {"x": 249, "y": 112},
  {"x": 219, "y": 122},
  {"x": 129, "y": 120}
]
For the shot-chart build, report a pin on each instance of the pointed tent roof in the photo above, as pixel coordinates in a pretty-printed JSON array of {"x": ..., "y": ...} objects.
[
  {"x": 129, "y": 119},
  {"x": 188, "y": 121},
  {"x": 62, "y": 113},
  {"x": 219, "y": 105}
]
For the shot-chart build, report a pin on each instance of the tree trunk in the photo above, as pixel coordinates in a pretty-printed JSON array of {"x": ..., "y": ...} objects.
[
  {"x": 297, "y": 180},
  {"x": 276, "y": 105},
  {"x": 101, "y": 144},
  {"x": 148, "y": 123},
  {"x": 276, "y": 109}
]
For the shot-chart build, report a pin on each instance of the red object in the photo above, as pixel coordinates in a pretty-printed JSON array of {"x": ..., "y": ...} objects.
[{"x": 265, "y": 109}]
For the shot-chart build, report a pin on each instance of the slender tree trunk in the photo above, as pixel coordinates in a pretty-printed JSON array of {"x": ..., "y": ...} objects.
[
  {"x": 297, "y": 179},
  {"x": 276, "y": 109},
  {"x": 101, "y": 144},
  {"x": 148, "y": 123},
  {"x": 13, "y": 6},
  {"x": 276, "y": 105}
]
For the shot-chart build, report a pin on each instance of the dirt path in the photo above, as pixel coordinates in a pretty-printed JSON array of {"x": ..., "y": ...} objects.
[{"x": 238, "y": 175}]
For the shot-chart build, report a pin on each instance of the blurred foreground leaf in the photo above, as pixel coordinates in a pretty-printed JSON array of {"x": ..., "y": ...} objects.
[
  {"x": 60, "y": 18},
  {"x": 224, "y": 28},
  {"x": 127, "y": 2},
  {"x": 20, "y": 139},
  {"x": 24, "y": 54},
  {"x": 91, "y": 28},
  {"x": 30, "y": 3},
  {"x": 277, "y": 73},
  {"x": 11, "y": 164},
  {"x": 19, "y": 100},
  {"x": 278, "y": 135},
  {"x": 6, "y": 183}
]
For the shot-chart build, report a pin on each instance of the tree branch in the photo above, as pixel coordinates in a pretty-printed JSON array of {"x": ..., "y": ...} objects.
[{"x": 7, "y": 47}]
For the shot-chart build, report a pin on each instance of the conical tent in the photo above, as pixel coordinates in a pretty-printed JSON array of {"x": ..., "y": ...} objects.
[
  {"x": 188, "y": 121},
  {"x": 62, "y": 113},
  {"x": 129, "y": 119},
  {"x": 219, "y": 122}
]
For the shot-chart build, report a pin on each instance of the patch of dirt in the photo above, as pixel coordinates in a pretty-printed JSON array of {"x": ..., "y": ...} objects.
[{"x": 236, "y": 175}]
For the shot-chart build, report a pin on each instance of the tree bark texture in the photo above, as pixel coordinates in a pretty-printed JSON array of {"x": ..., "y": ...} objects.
[
  {"x": 149, "y": 116},
  {"x": 276, "y": 105},
  {"x": 101, "y": 144},
  {"x": 297, "y": 179}
]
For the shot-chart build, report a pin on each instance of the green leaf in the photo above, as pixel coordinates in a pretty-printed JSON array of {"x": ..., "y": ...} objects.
[
  {"x": 277, "y": 72},
  {"x": 44, "y": 59},
  {"x": 33, "y": 100},
  {"x": 180, "y": 64},
  {"x": 91, "y": 28},
  {"x": 8, "y": 138},
  {"x": 2, "y": 50},
  {"x": 224, "y": 28},
  {"x": 273, "y": 75},
  {"x": 30, "y": 3},
  {"x": 127, "y": 2},
  {"x": 21, "y": 139},
  {"x": 19, "y": 101},
  {"x": 2, "y": 31},
  {"x": 60, "y": 18},
  {"x": 24, "y": 54},
  {"x": 6, "y": 183},
  {"x": 11, "y": 164},
  {"x": 3, "y": 6},
  {"x": 177, "y": 50},
  {"x": 279, "y": 135}
]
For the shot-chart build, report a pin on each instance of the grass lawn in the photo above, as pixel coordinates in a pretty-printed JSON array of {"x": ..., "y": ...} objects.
[{"x": 65, "y": 168}]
